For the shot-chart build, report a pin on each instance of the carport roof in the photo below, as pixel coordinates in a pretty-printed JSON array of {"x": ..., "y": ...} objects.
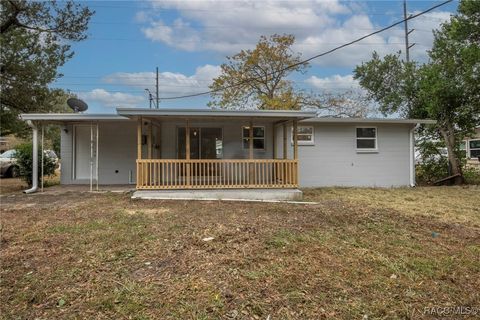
[{"x": 70, "y": 117}]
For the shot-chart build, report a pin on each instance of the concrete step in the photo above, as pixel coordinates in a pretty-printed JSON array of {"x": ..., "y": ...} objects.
[{"x": 221, "y": 194}]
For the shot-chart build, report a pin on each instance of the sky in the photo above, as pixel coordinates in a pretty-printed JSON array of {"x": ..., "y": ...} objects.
[{"x": 188, "y": 41}]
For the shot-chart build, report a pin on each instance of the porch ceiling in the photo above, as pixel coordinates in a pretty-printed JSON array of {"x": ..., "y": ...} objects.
[{"x": 209, "y": 114}]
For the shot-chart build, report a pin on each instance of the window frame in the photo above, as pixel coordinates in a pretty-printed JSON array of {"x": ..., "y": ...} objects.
[
  {"x": 366, "y": 150},
  {"x": 470, "y": 148},
  {"x": 304, "y": 142},
  {"x": 264, "y": 138}
]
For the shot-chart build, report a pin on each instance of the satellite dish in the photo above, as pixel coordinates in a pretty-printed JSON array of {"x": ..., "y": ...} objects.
[{"x": 77, "y": 105}]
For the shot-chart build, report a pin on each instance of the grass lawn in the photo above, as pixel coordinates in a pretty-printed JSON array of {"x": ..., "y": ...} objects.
[{"x": 357, "y": 254}]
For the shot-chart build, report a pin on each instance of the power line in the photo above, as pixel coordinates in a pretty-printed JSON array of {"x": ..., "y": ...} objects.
[{"x": 314, "y": 57}]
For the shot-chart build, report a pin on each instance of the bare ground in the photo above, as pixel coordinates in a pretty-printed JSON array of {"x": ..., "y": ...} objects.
[{"x": 381, "y": 254}]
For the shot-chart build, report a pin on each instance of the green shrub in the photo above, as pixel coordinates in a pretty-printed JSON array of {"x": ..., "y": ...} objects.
[
  {"x": 471, "y": 175},
  {"x": 25, "y": 159}
]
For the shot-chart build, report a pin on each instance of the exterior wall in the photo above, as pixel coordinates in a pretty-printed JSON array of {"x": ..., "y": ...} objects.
[
  {"x": 331, "y": 161},
  {"x": 117, "y": 147},
  {"x": 334, "y": 161},
  {"x": 232, "y": 138}
]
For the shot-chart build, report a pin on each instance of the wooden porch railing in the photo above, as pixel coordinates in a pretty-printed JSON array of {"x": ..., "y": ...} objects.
[{"x": 211, "y": 174}]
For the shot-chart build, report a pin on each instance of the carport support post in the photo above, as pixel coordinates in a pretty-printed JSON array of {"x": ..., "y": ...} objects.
[
  {"x": 187, "y": 150},
  {"x": 295, "y": 151},
  {"x": 250, "y": 152},
  {"x": 96, "y": 158},
  {"x": 41, "y": 172},
  {"x": 91, "y": 157}
]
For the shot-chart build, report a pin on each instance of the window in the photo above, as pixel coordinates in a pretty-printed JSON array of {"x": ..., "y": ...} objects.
[
  {"x": 366, "y": 138},
  {"x": 474, "y": 148},
  {"x": 258, "y": 137},
  {"x": 462, "y": 147},
  {"x": 305, "y": 135}
]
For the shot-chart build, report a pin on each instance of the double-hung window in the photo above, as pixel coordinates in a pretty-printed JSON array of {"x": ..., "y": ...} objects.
[
  {"x": 366, "y": 139},
  {"x": 258, "y": 137},
  {"x": 305, "y": 135},
  {"x": 474, "y": 148}
]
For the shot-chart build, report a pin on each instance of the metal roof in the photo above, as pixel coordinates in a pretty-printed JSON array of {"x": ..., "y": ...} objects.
[
  {"x": 209, "y": 113},
  {"x": 126, "y": 113},
  {"x": 63, "y": 117},
  {"x": 367, "y": 120}
]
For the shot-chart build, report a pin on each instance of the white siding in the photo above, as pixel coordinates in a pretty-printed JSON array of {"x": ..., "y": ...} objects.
[
  {"x": 334, "y": 161},
  {"x": 117, "y": 147}
]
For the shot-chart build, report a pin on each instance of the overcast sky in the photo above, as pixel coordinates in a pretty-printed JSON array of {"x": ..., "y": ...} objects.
[{"x": 188, "y": 40}]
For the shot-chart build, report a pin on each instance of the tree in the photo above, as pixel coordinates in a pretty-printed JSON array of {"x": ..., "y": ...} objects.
[
  {"x": 446, "y": 88},
  {"x": 257, "y": 78},
  {"x": 34, "y": 37}
]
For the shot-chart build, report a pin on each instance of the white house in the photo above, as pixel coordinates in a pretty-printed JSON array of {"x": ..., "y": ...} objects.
[{"x": 182, "y": 149}]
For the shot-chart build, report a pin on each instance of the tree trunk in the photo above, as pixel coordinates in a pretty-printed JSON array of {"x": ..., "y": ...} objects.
[{"x": 448, "y": 135}]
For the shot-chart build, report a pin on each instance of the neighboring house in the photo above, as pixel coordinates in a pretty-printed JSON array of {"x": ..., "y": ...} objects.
[
  {"x": 9, "y": 142},
  {"x": 471, "y": 145},
  {"x": 218, "y": 149}
]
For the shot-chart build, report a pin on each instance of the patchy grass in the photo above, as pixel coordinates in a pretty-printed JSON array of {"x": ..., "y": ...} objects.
[
  {"x": 448, "y": 204},
  {"x": 384, "y": 254}
]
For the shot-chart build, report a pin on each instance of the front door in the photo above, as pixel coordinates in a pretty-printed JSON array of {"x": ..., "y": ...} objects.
[{"x": 205, "y": 143}]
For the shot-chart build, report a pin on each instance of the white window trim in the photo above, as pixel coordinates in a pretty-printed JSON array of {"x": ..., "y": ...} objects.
[
  {"x": 302, "y": 142},
  {"x": 366, "y": 150},
  {"x": 468, "y": 149},
  {"x": 264, "y": 138}
]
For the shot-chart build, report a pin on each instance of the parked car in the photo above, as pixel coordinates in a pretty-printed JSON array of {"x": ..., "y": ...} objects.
[{"x": 8, "y": 164}]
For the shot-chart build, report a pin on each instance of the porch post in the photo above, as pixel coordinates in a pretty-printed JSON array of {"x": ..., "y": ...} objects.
[
  {"x": 285, "y": 151},
  {"x": 139, "y": 138},
  {"x": 149, "y": 141},
  {"x": 295, "y": 140},
  {"x": 250, "y": 140},
  {"x": 187, "y": 150},
  {"x": 295, "y": 152},
  {"x": 274, "y": 142},
  {"x": 139, "y": 152}
]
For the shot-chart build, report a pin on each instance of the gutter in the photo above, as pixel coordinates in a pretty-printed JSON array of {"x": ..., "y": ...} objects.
[
  {"x": 34, "y": 187},
  {"x": 413, "y": 183}
]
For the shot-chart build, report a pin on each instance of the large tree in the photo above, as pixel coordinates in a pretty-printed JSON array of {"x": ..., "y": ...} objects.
[
  {"x": 258, "y": 78},
  {"x": 34, "y": 40},
  {"x": 446, "y": 88}
]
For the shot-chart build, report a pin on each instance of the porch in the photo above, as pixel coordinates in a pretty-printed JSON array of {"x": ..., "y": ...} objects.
[{"x": 201, "y": 160}]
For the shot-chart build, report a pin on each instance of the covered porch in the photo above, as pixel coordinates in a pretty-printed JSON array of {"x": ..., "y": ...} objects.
[{"x": 215, "y": 149}]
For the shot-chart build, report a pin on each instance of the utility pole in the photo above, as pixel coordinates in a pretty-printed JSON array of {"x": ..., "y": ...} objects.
[
  {"x": 407, "y": 32},
  {"x": 158, "y": 97}
]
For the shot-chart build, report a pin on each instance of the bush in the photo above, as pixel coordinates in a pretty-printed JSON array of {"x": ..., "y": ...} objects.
[
  {"x": 25, "y": 159},
  {"x": 431, "y": 170},
  {"x": 471, "y": 175}
]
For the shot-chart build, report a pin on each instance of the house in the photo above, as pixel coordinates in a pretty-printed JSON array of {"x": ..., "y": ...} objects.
[
  {"x": 199, "y": 149},
  {"x": 471, "y": 145}
]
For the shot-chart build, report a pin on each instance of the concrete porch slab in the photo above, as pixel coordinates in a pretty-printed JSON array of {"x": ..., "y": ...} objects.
[{"x": 221, "y": 194}]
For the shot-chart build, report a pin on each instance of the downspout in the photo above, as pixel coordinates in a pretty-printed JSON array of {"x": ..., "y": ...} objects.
[
  {"x": 34, "y": 187},
  {"x": 412, "y": 155}
]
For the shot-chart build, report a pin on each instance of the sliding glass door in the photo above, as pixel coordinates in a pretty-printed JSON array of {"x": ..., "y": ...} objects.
[{"x": 205, "y": 143}]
